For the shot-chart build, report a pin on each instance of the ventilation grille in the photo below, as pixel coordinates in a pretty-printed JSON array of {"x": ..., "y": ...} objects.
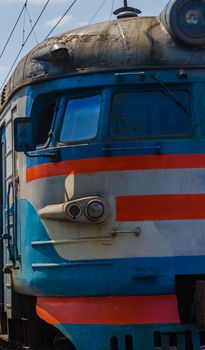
[
  {"x": 186, "y": 340},
  {"x": 3, "y": 96},
  {"x": 128, "y": 343}
]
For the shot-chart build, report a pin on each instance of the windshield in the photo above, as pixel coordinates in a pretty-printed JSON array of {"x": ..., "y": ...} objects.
[
  {"x": 150, "y": 114},
  {"x": 81, "y": 118}
]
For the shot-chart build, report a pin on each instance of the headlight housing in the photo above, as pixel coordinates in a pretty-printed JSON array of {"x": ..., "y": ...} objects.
[
  {"x": 86, "y": 210},
  {"x": 185, "y": 21}
]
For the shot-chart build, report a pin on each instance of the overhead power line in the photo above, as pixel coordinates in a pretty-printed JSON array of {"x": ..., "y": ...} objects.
[
  {"x": 13, "y": 29},
  {"x": 24, "y": 23},
  {"x": 23, "y": 44},
  {"x": 98, "y": 10},
  {"x": 54, "y": 27},
  {"x": 31, "y": 23}
]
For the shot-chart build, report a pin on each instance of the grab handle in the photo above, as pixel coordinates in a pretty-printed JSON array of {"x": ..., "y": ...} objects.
[{"x": 8, "y": 226}]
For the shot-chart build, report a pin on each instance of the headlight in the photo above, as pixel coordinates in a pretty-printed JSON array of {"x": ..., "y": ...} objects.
[
  {"x": 73, "y": 211},
  {"x": 185, "y": 21},
  {"x": 95, "y": 210}
]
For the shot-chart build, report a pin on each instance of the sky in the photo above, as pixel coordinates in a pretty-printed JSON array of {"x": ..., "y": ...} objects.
[{"x": 80, "y": 14}]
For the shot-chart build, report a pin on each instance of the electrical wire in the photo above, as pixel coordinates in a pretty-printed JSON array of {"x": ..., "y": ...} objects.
[
  {"x": 96, "y": 13},
  {"x": 54, "y": 27},
  {"x": 22, "y": 46},
  {"x": 24, "y": 24},
  {"x": 13, "y": 29},
  {"x": 30, "y": 21}
]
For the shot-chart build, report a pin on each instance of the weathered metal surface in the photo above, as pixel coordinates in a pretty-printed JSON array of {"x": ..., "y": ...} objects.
[{"x": 125, "y": 44}]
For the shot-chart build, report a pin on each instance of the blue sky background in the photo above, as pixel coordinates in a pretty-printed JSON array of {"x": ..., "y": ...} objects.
[{"x": 80, "y": 15}]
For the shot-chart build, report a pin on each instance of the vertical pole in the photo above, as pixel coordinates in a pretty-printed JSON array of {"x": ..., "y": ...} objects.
[{"x": 125, "y": 3}]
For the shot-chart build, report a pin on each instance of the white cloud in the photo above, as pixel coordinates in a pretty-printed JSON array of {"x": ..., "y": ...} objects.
[{"x": 66, "y": 20}]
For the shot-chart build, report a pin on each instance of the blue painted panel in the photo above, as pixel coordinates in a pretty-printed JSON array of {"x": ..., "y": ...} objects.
[
  {"x": 96, "y": 150},
  {"x": 98, "y": 337},
  {"x": 94, "y": 81}
]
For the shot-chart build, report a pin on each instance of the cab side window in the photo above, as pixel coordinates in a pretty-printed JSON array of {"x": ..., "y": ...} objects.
[
  {"x": 46, "y": 122},
  {"x": 80, "y": 121},
  {"x": 43, "y": 111}
]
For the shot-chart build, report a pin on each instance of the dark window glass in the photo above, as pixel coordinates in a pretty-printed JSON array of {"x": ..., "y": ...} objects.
[
  {"x": 43, "y": 112},
  {"x": 45, "y": 122},
  {"x": 81, "y": 119},
  {"x": 150, "y": 114}
]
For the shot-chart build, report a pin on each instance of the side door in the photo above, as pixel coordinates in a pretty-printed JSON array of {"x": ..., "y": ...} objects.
[
  {"x": 9, "y": 215},
  {"x": 2, "y": 216}
]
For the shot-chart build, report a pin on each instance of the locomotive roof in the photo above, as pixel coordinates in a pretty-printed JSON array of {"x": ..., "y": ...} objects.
[{"x": 123, "y": 44}]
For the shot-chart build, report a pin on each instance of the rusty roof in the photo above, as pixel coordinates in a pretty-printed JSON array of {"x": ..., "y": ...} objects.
[{"x": 124, "y": 44}]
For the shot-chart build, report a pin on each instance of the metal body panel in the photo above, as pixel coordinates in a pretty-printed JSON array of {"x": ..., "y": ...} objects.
[{"x": 151, "y": 240}]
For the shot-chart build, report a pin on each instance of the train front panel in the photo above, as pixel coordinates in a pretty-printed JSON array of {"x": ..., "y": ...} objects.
[{"x": 116, "y": 219}]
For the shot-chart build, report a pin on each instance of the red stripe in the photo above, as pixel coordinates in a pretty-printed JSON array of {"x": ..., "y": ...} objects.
[
  {"x": 161, "y": 207},
  {"x": 83, "y": 166},
  {"x": 109, "y": 310}
]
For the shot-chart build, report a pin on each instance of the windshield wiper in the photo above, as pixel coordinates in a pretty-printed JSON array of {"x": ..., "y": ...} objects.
[{"x": 170, "y": 94}]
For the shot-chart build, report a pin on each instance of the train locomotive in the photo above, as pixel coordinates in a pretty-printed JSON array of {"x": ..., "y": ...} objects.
[{"x": 103, "y": 186}]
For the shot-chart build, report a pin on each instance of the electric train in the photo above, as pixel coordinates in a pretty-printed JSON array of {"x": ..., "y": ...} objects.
[{"x": 103, "y": 186}]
